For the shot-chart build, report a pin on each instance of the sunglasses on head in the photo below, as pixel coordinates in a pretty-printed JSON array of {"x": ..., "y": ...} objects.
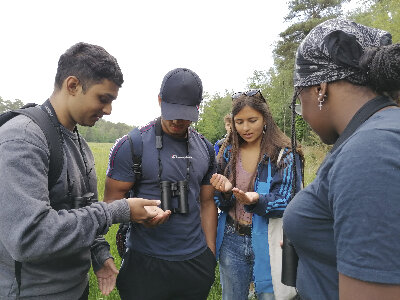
[{"x": 249, "y": 93}]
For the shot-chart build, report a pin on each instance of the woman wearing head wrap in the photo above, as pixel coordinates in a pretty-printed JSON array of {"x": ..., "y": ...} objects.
[{"x": 345, "y": 225}]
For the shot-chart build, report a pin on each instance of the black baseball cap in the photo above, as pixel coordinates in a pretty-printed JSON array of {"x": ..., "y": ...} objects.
[{"x": 181, "y": 94}]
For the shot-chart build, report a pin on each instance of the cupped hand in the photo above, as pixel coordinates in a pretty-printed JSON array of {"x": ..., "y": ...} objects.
[
  {"x": 106, "y": 276},
  {"x": 221, "y": 183},
  {"x": 247, "y": 198},
  {"x": 160, "y": 218},
  {"x": 139, "y": 212}
]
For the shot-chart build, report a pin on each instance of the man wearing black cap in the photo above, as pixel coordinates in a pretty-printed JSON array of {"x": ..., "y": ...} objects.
[{"x": 174, "y": 260}]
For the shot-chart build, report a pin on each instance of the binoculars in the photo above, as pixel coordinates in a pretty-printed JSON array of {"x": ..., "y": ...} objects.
[
  {"x": 289, "y": 263},
  {"x": 172, "y": 189},
  {"x": 85, "y": 200}
]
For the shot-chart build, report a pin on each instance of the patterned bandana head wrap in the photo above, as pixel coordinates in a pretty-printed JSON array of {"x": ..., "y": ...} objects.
[{"x": 332, "y": 50}]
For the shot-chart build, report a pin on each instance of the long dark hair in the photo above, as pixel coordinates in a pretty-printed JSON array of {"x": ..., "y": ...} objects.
[{"x": 272, "y": 141}]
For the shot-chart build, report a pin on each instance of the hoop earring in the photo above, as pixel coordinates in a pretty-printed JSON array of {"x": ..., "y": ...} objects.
[
  {"x": 264, "y": 129},
  {"x": 321, "y": 101}
]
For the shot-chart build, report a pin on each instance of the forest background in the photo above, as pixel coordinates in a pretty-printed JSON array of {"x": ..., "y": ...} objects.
[{"x": 276, "y": 83}]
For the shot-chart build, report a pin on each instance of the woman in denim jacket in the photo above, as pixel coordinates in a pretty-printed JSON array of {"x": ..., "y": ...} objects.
[{"x": 254, "y": 186}]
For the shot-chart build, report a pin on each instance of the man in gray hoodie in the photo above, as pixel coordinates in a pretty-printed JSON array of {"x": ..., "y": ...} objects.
[{"x": 47, "y": 244}]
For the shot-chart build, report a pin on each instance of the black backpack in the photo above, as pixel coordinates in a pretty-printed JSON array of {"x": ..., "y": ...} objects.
[
  {"x": 136, "y": 145},
  {"x": 135, "y": 141},
  {"x": 54, "y": 142},
  {"x": 50, "y": 130}
]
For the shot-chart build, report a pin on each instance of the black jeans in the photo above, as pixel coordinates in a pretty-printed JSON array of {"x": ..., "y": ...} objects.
[{"x": 144, "y": 277}]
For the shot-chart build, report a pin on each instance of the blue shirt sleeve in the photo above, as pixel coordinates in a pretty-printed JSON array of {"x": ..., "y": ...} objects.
[
  {"x": 120, "y": 164},
  {"x": 364, "y": 195},
  {"x": 274, "y": 203}
]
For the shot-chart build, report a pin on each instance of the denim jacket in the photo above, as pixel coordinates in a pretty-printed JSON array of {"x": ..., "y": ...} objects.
[{"x": 274, "y": 187}]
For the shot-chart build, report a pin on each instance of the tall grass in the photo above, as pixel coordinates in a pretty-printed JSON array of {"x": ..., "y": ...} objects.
[
  {"x": 314, "y": 156},
  {"x": 101, "y": 152}
]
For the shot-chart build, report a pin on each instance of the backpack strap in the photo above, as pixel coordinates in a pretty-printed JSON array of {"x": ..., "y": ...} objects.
[
  {"x": 54, "y": 141},
  {"x": 8, "y": 115},
  {"x": 135, "y": 141},
  {"x": 51, "y": 132},
  {"x": 136, "y": 145}
]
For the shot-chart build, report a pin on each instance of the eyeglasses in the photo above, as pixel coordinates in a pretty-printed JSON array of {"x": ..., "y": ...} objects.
[
  {"x": 249, "y": 93},
  {"x": 297, "y": 106}
]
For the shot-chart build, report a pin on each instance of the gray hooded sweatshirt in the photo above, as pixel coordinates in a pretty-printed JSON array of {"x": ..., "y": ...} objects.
[{"x": 55, "y": 247}]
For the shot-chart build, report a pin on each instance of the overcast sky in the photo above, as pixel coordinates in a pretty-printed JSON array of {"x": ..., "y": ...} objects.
[{"x": 222, "y": 41}]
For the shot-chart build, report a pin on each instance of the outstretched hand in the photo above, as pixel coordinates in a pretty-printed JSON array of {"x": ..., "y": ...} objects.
[
  {"x": 247, "y": 198},
  {"x": 142, "y": 210},
  {"x": 160, "y": 218},
  {"x": 106, "y": 276},
  {"x": 221, "y": 183}
]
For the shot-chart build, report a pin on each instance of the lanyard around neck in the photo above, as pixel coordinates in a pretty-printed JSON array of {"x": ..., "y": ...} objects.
[
  {"x": 49, "y": 109},
  {"x": 159, "y": 145}
]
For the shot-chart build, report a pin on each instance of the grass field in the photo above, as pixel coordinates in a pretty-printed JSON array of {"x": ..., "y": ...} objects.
[{"x": 314, "y": 156}]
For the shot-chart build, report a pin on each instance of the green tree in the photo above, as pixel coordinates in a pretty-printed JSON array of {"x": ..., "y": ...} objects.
[
  {"x": 278, "y": 92},
  {"x": 303, "y": 16},
  {"x": 104, "y": 131},
  {"x": 9, "y": 105},
  {"x": 383, "y": 14},
  {"x": 211, "y": 118},
  {"x": 258, "y": 80}
]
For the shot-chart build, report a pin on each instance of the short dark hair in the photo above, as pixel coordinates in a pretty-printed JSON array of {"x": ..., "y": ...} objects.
[{"x": 90, "y": 64}]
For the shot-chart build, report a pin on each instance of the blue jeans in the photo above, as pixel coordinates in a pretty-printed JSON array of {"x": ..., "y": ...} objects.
[{"x": 236, "y": 262}]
